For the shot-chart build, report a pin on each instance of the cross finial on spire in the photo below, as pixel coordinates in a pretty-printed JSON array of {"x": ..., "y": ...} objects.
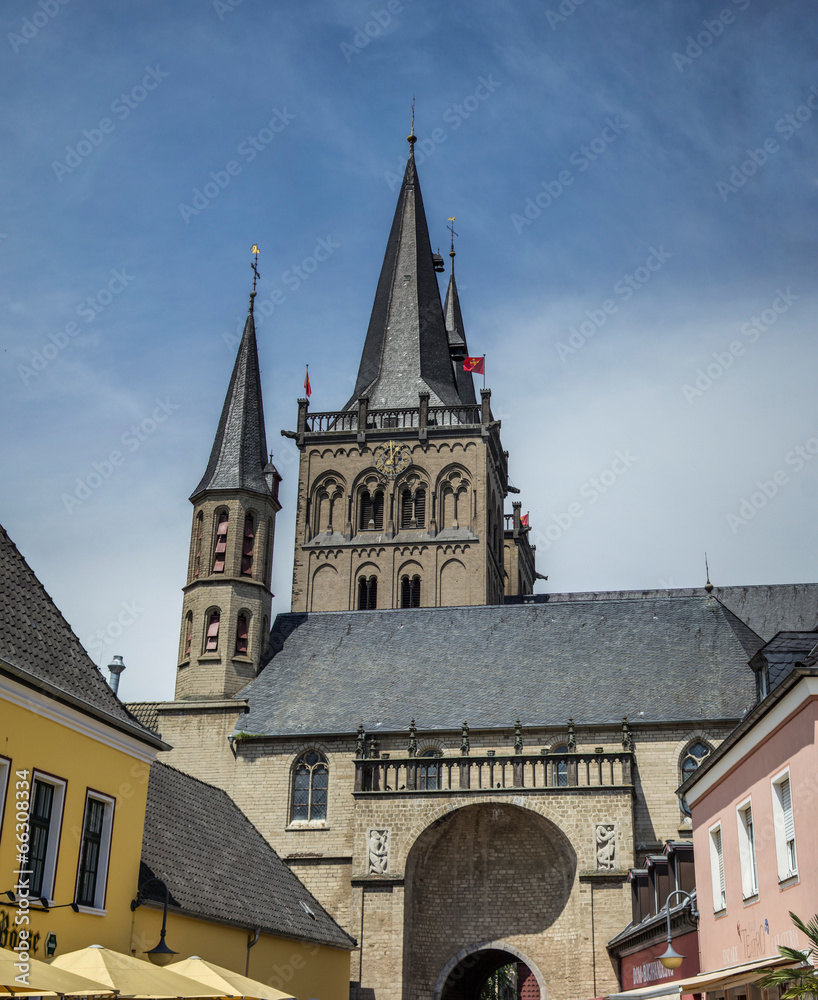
[
  {"x": 451, "y": 230},
  {"x": 254, "y": 250},
  {"x": 412, "y": 138}
]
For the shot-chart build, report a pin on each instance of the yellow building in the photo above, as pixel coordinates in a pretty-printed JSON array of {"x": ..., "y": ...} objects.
[
  {"x": 74, "y": 766},
  {"x": 231, "y": 899},
  {"x": 99, "y": 824}
]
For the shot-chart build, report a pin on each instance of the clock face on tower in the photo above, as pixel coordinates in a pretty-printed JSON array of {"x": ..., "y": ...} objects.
[{"x": 392, "y": 458}]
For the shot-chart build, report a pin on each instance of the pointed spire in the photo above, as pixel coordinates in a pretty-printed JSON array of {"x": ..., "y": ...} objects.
[
  {"x": 239, "y": 455},
  {"x": 456, "y": 334},
  {"x": 406, "y": 349}
]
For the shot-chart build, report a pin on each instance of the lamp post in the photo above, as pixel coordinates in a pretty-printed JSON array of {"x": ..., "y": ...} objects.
[
  {"x": 160, "y": 954},
  {"x": 671, "y": 959}
]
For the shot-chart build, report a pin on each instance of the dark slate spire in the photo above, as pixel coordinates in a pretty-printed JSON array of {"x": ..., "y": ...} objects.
[
  {"x": 406, "y": 349},
  {"x": 239, "y": 454},
  {"x": 457, "y": 340}
]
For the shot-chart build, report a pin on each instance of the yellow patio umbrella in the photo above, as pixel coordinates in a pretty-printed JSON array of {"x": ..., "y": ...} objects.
[
  {"x": 132, "y": 977},
  {"x": 227, "y": 981},
  {"x": 44, "y": 980}
]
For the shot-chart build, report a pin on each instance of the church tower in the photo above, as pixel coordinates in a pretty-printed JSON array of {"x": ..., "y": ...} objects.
[
  {"x": 227, "y": 598},
  {"x": 400, "y": 494}
]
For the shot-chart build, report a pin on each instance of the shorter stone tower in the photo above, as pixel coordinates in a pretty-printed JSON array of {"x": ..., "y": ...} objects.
[{"x": 227, "y": 602}]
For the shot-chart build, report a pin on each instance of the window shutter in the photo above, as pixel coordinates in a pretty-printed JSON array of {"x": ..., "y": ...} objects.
[
  {"x": 720, "y": 853},
  {"x": 786, "y": 806},
  {"x": 406, "y": 509},
  {"x": 377, "y": 513},
  {"x": 420, "y": 508}
]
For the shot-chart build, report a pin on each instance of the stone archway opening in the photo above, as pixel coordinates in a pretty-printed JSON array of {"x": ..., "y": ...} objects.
[
  {"x": 491, "y": 974},
  {"x": 494, "y": 873}
]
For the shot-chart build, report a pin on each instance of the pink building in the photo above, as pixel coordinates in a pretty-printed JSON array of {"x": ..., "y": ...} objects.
[{"x": 754, "y": 805}]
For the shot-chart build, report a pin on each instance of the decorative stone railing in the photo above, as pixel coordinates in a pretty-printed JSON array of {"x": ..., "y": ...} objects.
[{"x": 490, "y": 773}]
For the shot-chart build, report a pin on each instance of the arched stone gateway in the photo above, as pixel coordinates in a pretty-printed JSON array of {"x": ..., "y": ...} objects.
[
  {"x": 465, "y": 975},
  {"x": 482, "y": 883}
]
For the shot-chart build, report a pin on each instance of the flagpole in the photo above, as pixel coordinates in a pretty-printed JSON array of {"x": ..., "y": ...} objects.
[{"x": 484, "y": 371}]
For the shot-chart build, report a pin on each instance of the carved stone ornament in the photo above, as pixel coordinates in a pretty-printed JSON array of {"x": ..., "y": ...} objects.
[
  {"x": 377, "y": 846},
  {"x": 605, "y": 846}
]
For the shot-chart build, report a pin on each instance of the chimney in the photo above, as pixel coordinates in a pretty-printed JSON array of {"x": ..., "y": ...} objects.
[{"x": 115, "y": 667}]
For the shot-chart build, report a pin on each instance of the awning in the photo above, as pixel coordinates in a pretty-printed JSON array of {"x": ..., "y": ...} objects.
[{"x": 707, "y": 982}]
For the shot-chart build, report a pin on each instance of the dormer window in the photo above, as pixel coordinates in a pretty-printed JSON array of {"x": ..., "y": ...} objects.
[{"x": 221, "y": 543}]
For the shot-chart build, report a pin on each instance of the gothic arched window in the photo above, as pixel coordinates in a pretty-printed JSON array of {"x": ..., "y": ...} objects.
[
  {"x": 220, "y": 551},
  {"x": 367, "y": 593},
  {"x": 692, "y": 756},
  {"x": 371, "y": 511},
  {"x": 310, "y": 783},
  {"x": 413, "y": 509},
  {"x": 212, "y": 631},
  {"x": 429, "y": 773},
  {"x": 247, "y": 545},
  {"x": 410, "y": 592},
  {"x": 241, "y": 635}
]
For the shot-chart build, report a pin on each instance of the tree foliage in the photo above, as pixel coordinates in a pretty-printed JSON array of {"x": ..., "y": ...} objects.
[{"x": 799, "y": 983}]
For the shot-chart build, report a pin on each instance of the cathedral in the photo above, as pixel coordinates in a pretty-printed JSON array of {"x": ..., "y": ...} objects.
[{"x": 461, "y": 771}]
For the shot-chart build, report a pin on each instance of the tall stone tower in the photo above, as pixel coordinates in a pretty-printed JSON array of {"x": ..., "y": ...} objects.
[
  {"x": 400, "y": 494},
  {"x": 227, "y": 602}
]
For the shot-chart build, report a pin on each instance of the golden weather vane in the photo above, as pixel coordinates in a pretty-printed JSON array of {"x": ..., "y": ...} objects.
[{"x": 254, "y": 249}]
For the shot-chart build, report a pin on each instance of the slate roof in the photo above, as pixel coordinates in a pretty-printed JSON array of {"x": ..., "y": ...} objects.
[
  {"x": 217, "y": 865},
  {"x": 406, "y": 350},
  {"x": 654, "y": 660},
  {"x": 239, "y": 455},
  {"x": 456, "y": 333},
  {"x": 38, "y": 647},
  {"x": 766, "y": 608},
  {"x": 784, "y": 651}
]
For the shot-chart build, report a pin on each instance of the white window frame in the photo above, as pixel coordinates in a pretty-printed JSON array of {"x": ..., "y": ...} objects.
[
  {"x": 54, "y": 830},
  {"x": 787, "y": 860},
  {"x": 101, "y": 886},
  {"x": 747, "y": 849},
  {"x": 717, "y": 868}
]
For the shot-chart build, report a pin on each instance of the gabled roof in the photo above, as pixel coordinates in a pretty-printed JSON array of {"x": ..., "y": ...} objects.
[
  {"x": 765, "y": 608},
  {"x": 406, "y": 350},
  {"x": 456, "y": 333},
  {"x": 239, "y": 455},
  {"x": 654, "y": 660},
  {"x": 217, "y": 865},
  {"x": 39, "y": 649}
]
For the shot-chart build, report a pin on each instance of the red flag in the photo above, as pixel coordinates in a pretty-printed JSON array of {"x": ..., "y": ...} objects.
[
  {"x": 307, "y": 386},
  {"x": 524, "y": 520},
  {"x": 474, "y": 365}
]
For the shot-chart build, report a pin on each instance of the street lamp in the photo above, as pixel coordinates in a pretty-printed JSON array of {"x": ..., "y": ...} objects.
[
  {"x": 671, "y": 959},
  {"x": 160, "y": 954}
]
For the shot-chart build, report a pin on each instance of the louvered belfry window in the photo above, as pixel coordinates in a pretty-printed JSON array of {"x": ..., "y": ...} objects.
[
  {"x": 241, "y": 635},
  {"x": 367, "y": 593},
  {"x": 212, "y": 637},
  {"x": 413, "y": 509},
  {"x": 197, "y": 552},
  {"x": 410, "y": 592},
  {"x": 188, "y": 633},
  {"x": 221, "y": 543},
  {"x": 247, "y": 546},
  {"x": 371, "y": 508}
]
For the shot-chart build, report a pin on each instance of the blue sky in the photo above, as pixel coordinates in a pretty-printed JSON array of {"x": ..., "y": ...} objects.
[{"x": 635, "y": 192}]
